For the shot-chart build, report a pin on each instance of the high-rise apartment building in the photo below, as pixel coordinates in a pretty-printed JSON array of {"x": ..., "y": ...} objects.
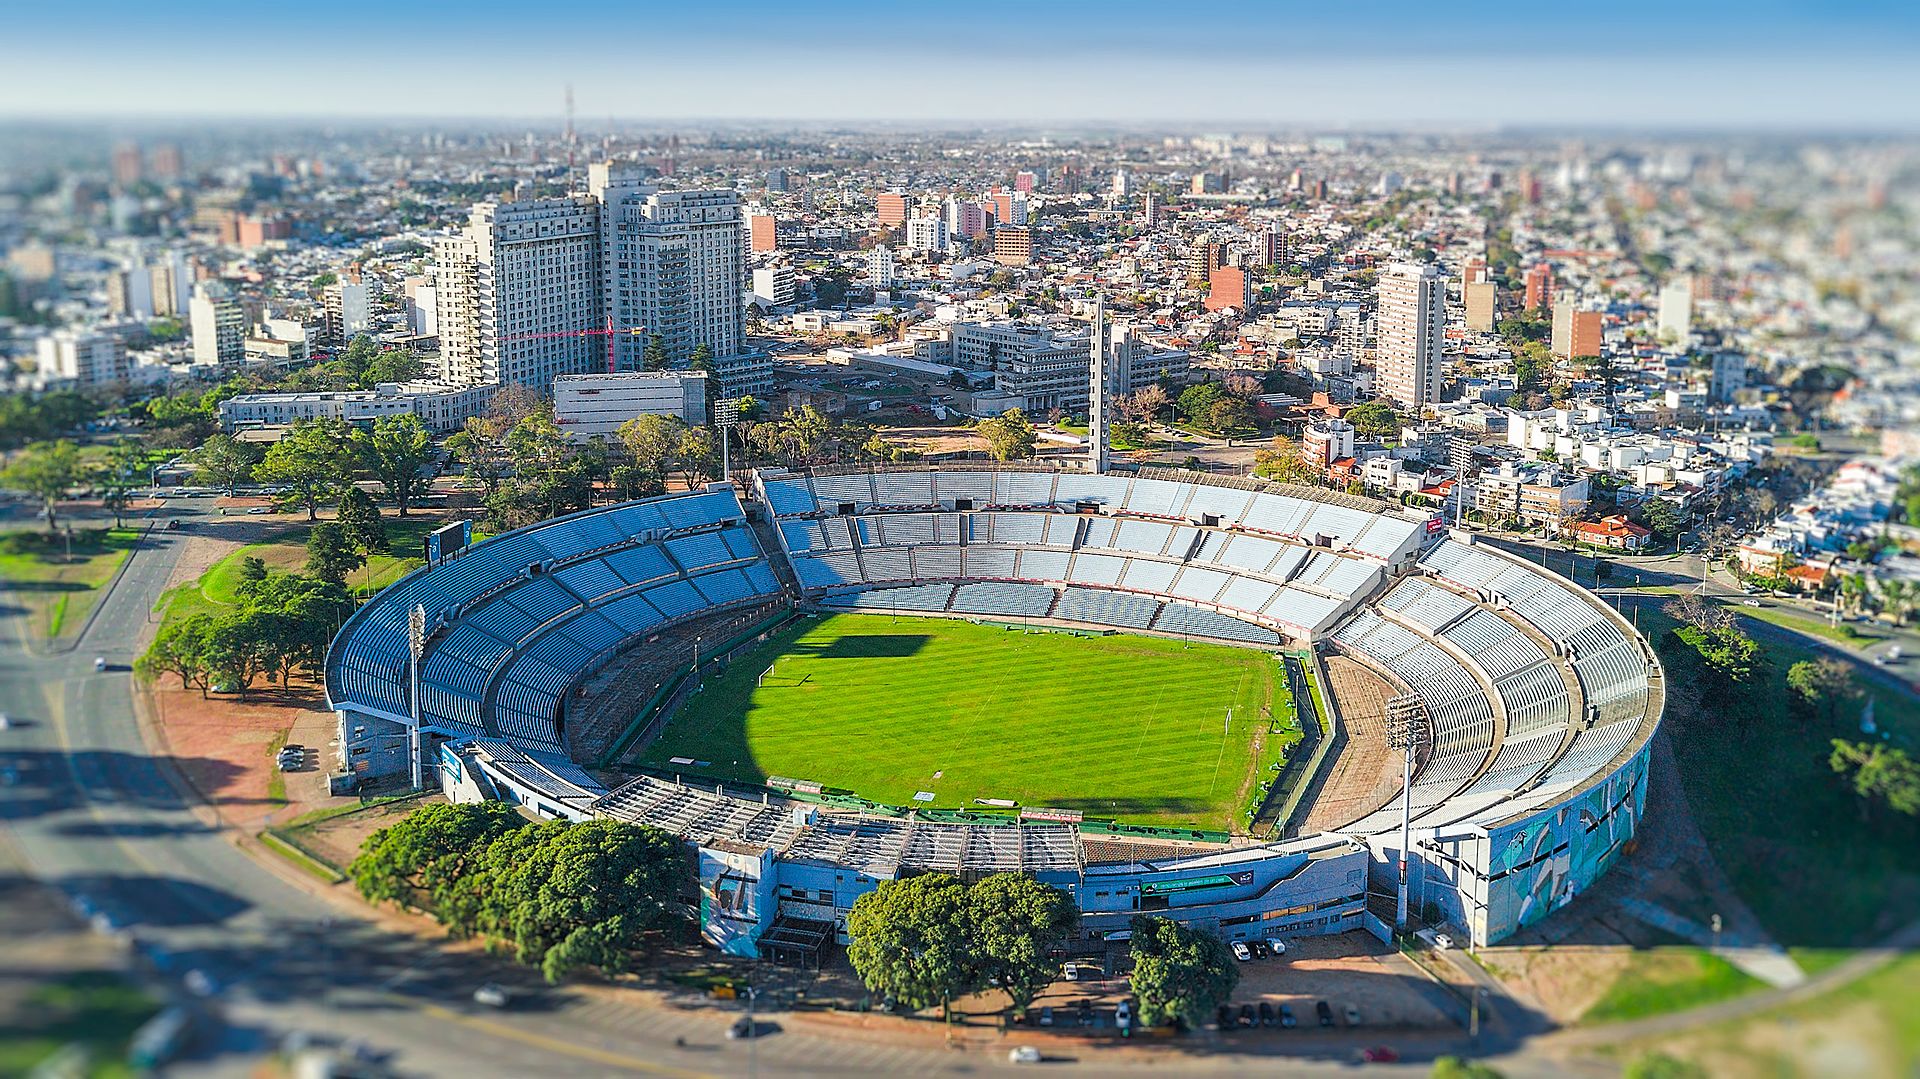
[
  {"x": 763, "y": 233},
  {"x": 1122, "y": 185},
  {"x": 1411, "y": 327},
  {"x": 892, "y": 208},
  {"x": 927, "y": 233},
  {"x": 88, "y": 357},
  {"x": 964, "y": 220},
  {"x": 1229, "y": 286},
  {"x": 1013, "y": 245},
  {"x": 1482, "y": 307},
  {"x": 127, "y": 165},
  {"x": 509, "y": 286},
  {"x": 1272, "y": 247},
  {"x": 219, "y": 326},
  {"x": 880, "y": 267},
  {"x": 1676, "y": 311},
  {"x": 1539, "y": 287},
  {"x": 1576, "y": 333},
  {"x": 528, "y": 291},
  {"x": 349, "y": 306}
]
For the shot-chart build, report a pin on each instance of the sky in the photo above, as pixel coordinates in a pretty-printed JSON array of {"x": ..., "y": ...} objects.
[{"x": 1831, "y": 64}]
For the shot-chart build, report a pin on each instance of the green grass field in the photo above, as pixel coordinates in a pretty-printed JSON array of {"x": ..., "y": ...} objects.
[{"x": 1131, "y": 728}]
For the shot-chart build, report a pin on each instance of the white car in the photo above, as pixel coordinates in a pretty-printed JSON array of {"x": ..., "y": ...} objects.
[
  {"x": 492, "y": 995},
  {"x": 1442, "y": 941},
  {"x": 6, "y": 722},
  {"x": 1072, "y": 972},
  {"x": 99, "y": 663},
  {"x": 1023, "y": 1054},
  {"x": 1123, "y": 1015},
  {"x": 1240, "y": 950},
  {"x": 1276, "y": 946}
]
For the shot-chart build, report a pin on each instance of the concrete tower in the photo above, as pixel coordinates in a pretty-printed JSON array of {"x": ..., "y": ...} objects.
[{"x": 1099, "y": 386}]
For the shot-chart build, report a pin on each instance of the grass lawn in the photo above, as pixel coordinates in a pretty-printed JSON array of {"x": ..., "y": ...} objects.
[
  {"x": 1132, "y": 728},
  {"x": 1661, "y": 980},
  {"x": 1789, "y": 836},
  {"x": 97, "y": 1010},
  {"x": 57, "y": 594},
  {"x": 1845, "y": 633}
]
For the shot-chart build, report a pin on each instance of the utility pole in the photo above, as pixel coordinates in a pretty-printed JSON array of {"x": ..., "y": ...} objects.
[{"x": 1406, "y": 731}]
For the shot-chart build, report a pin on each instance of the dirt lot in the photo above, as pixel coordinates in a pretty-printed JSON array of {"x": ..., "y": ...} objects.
[{"x": 225, "y": 747}]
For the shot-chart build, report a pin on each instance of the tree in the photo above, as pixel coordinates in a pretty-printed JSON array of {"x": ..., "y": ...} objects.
[
  {"x": 120, "y": 475},
  {"x": 1016, "y": 922},
  {"x": 330, "y": 554},
  {"x": 1280, "y": 460},
  {"x": 1374, "y": 419},
  {"x": 1663, "y": 517},
  {"x": 1010, "y": 436},
  {"x": 1819, "y": 686},
  {"x": 1196, "y": 402},
  {"x": 393, "y": 365},
  {"x": 654, "y": 356},
  {"x": 241, "y": 646},
  {"x": 1229, "y": 414},
  {"x": 47, "y": 471},
  {"x": 699, "y": 457},
  {"x": 1179, "y": 974},
  {"x": 652, "y": 441},
  {"x": 179, "y": 649},
  {"x": 432, "y": 847},
  {"x": 397, "y": 452},
  {"x": 586, "y": 894},
  {"x": 360, "y": 520},
  {"x": 253, "y": 570},
  {"x": 311, "y": 460},
  {"x": 1881, "y": 775},
  {"x": 908, "y": 940}
]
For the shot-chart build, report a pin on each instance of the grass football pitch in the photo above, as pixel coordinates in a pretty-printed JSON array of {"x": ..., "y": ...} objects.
[{"x": 1132, "y": 728}]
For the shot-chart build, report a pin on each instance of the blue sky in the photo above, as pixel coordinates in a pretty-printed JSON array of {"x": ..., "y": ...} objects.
[{"x": 1327, "y": 63}]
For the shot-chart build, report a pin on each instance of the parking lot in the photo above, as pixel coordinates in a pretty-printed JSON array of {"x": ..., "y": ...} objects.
[{"x": 1363, "y": 983}]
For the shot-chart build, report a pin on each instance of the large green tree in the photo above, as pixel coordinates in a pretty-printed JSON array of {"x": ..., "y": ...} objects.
[
  {"x": 330, "y": 554},
  {"x": 1010, "y": 435},
  {"x": 1179, "y": 974},
  {"x": 123, "y": 472},
  {"x": 397, "y": 452},
  {"x": 652, "y": 441},
  {"x": 312, "y": 461},
  {"x": 1818, "y": 687},
  {"x": 360, "y": 520},
  {"x": 587, "y": 895},
  {"x": 908, "y": 939},
  {"x": 47, "y": 471},
  {"x": 1016, "y": 922},
  {"x": 433, "y": 847},
  {"x": 179, "y": 648},
  {"x": 1882, "y": 776},
  {"x": 223, "y": 461}
]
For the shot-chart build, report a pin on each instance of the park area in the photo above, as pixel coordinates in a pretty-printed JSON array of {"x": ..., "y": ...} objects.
[
  {"x": 56, "y": 581},
  {"x": 1142, "y": 730}
]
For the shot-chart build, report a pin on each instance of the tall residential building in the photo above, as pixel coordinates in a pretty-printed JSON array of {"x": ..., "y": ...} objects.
[
  {"x": 1025, "y": 181},
  {"x": 892, "y": 208},
  {"x": 1676, "y": 310},
  {"x": 172, "y": 285},
  {"x": 127, "y": 169},
  {"x": 763, "y": 233},
  {"x": 1229, "y": 286},
  {"x": 1013, "y": 245},
  {"x": 927, "y": 233},
  {"x": 349, "y": 306},
  {"x": 1122, "y": 185},
  {"x": 776, "y": 179},
  {"x": 964, "y": 220},
  {"x": 774, "y": 286},
  {"x": 1272, "y": 246},
  {"x": 1539, "y": 287},
  {"x": 509, "y": 287},
  {"x": 219, "y": 326},
  {"x": 88, "y": 357},
  {"x": 880, "y": 267},
  {"x": 1411, "y": 327},
  {"x": 1009, "y": 207},
  {"x": 527, "y": 292},
  {"x": 1481, "y": 299},
  {"x": 1576, "y": 333}
]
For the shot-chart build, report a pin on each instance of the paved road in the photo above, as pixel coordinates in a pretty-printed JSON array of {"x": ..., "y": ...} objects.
[{"x": 92, "y": 812}]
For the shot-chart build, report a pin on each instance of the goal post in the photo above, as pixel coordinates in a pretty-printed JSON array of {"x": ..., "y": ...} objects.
[{"x": 762, "y": 680}]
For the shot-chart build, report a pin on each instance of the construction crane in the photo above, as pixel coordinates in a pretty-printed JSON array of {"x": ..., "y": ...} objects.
[{"x": 609, "y": 331}]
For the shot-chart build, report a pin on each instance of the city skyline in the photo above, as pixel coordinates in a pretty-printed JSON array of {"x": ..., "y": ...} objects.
[{"x": 1770, "y": 66}]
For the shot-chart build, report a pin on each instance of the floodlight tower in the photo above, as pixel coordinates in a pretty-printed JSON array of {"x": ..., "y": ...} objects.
[
  {"x": 1099, "y": 386},
  {"x": 1407, "y": 730}
]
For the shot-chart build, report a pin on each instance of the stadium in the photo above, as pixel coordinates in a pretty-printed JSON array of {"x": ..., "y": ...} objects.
[{"x": 1222, "y": 700}]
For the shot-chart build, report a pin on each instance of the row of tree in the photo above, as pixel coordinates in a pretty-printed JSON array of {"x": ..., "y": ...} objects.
[
  {"x": 593, "y": 895},
  {"x": 281, "y": 625}
]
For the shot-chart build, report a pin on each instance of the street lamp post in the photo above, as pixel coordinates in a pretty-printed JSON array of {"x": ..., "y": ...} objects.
[{"x": 416, "y": 647}]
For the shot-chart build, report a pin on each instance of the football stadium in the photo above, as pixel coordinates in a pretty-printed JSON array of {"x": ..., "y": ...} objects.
[{"x": 1231, "y": 702}]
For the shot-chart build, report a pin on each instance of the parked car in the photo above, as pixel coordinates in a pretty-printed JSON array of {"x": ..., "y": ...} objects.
[
  {"x": 1240, "y": 950},
  {"x": 1246, "y": 1015},
  {"x": 1085, "y": 1018},
  {"x": 1123, "y": 1015},
  {"x": 1286, "y": 1017},
  {"x": 1266, "y": 1014},
  {"x": 1442, "y": 941},
  {"x": 1379, "y": 1054},
  {"x": 1353, "y": 1016},
  {"x": 1072, "y": 972},
  {"x": 1023, "y": 1054},
  {"x": 493, "y": 995},
  {"x": 1276, "y": 946},
  {"x": 1324, "y": 1012},
  {"x": 1046, "y": 1016},
  {"x": 1224, "y": 1017},
  {"x": 743, "y": 1028}
]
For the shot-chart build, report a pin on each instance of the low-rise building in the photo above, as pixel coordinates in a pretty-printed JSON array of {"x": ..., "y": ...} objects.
[{"x": 588, "y": 405}]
